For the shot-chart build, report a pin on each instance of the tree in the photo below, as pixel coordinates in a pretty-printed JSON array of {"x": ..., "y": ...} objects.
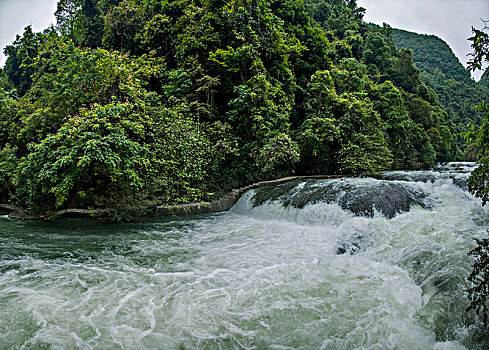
[
  {"x": 480, "y": 45},
  {"x": 66, "y": 15},
  {"x": 479, "y": 186},
  {"x": 123, "y": 24},
  {"x": 81, "y": 21},
  {"x": 223, "y": 92},
  {"x": 95, "y": 153},
  {"x": 479, "y": 182},
  {"x": 319, "y": 130},
  {"x": 21, "y": 55},
  {"x": 92, "y": 24}
]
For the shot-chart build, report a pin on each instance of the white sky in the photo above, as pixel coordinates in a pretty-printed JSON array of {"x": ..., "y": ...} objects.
[
  {"x": 449, "y": 19},
  {"x": 15, "y": 15}
]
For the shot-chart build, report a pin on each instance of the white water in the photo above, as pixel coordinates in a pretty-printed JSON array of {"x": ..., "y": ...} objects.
[{"x": 252, "y": 278}]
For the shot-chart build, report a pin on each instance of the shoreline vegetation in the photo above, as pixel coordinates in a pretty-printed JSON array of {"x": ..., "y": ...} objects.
[
  {"x": 146, "y": 102},
  {"x": 223, "y": 203}
]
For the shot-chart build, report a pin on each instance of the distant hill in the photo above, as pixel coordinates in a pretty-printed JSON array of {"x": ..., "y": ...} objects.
[
  {"x": 441, "y": 70},
  {"x": 484, "y": 79}
]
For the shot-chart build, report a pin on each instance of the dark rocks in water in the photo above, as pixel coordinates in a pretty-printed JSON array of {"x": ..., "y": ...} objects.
[
  {"x": 273, "y": 193},
  {"x": 360, "y": 196},
  {"x": 461, "y": 182},
  {"x": 411, "y": 176},
  {"x": 342, "y": 249},
  {"x": 357, "y": 243}
]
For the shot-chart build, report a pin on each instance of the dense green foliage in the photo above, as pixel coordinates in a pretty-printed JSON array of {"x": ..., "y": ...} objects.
[
  {"x": 440, "y": 69},
  {"x": 478, "y": 293},
  {"x": 143, "y": 101},
  {"x": 479, "y": 135},
  {"x": 479, "y": 180},
  {"x": 485, "y": 79}
]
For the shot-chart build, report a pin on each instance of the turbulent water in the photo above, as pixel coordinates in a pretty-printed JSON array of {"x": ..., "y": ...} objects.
[{"x": 324, "y": 264}]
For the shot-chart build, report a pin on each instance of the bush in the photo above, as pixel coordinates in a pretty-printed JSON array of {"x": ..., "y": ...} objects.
[
  {"x": 95, "y": 153},
  {"x": 278, "y": 156}
]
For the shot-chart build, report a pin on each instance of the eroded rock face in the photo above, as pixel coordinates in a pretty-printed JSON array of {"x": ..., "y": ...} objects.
[{"x": 363, "y": 197}]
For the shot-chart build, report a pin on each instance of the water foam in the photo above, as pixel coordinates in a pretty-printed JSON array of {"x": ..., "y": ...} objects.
[{"x": 267, "y": 276}]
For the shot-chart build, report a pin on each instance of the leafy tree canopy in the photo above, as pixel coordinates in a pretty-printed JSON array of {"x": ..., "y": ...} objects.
[
  {"x": 478, "y": 293},
  {"x": 161, "y": 102}
]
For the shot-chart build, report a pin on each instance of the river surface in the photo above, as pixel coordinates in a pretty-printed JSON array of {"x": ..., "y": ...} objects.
[{"x": 319, "y": 264}]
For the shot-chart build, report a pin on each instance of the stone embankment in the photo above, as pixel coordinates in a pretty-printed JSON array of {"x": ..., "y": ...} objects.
[
  {"x": 224, "y": 203},
  {"x": 228, "y": 200}
]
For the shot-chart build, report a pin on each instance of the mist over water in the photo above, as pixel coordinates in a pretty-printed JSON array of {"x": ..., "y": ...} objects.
[{"x": 326, "y": 274}]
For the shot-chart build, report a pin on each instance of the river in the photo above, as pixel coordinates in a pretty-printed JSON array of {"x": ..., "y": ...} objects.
[{"x": 357, "y": 263}]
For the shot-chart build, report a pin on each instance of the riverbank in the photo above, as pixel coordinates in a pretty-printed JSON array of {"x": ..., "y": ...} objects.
[{"x": 223, "y": 203}]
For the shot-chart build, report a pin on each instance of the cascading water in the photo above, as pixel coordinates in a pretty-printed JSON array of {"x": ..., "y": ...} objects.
[{"x": 316, "y": 264}]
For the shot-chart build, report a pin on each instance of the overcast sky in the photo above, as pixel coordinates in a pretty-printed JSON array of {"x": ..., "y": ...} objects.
[
  {"x": 15, "y": 15},
  {"x": 449, "y": 19}
]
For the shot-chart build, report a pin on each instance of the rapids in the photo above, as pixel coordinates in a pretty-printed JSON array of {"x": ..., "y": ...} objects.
[{"x": 316, "y": 264}]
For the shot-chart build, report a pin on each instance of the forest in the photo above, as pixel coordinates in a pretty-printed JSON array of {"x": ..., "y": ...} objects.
[
  {"x": 130, "y": 103},
  {"x": 458, "y": 94},
  {"x": 125, "y": 105}
]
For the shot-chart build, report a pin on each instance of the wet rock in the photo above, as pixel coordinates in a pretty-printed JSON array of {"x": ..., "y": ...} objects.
[
  {"x": 461, "y": 182},
  {"x": 356, "y": 243},
  {"x": 363, "y": 197},
  {"x": 273, "y": 193},
  {"x": 350, "y": 247}
]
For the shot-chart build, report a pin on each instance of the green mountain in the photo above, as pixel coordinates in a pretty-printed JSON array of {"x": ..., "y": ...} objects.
[
  {"x": 127, "y": 103},
  {"x": 484, "y": 81},
  {"x": 441, "y": 70}
]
